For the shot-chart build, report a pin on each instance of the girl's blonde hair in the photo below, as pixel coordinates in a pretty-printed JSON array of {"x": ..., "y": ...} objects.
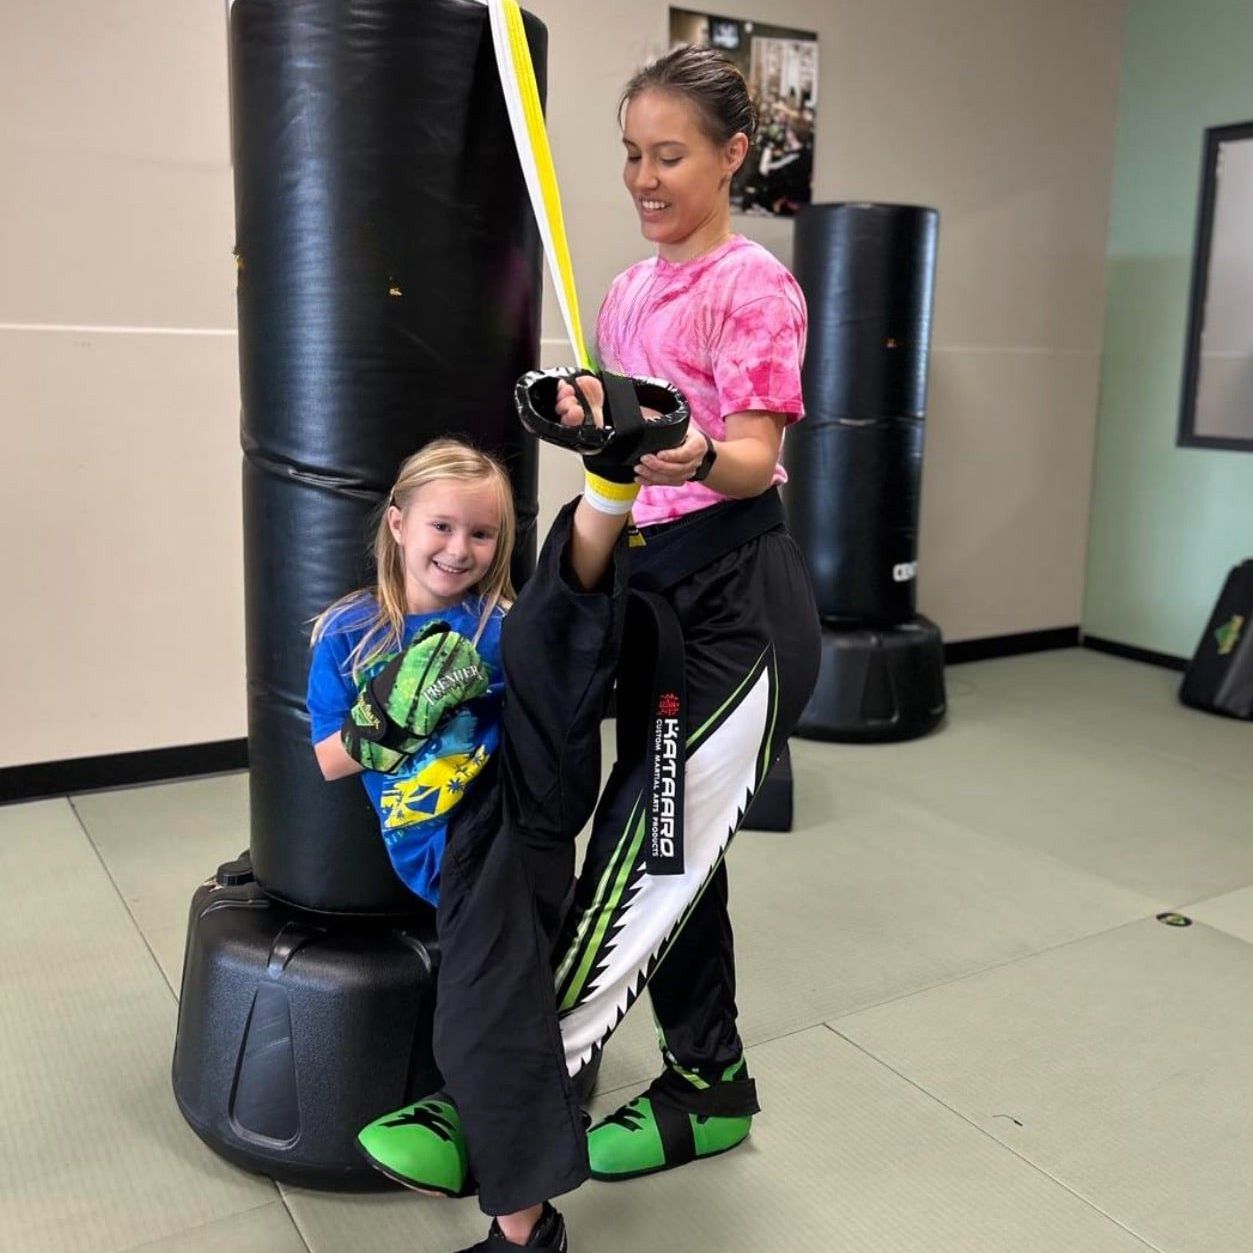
[{"x": 384, "y": 606}]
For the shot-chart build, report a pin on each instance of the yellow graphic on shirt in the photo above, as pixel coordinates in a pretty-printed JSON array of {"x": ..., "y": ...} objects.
[{"x": 432, "y": 790}]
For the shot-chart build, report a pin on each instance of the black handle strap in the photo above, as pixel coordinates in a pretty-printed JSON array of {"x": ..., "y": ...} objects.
[{"x": 622, "y": 406}]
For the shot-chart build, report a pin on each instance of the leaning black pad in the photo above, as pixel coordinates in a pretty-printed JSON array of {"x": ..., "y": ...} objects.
[
  {"x": 615, "y": 447},
  {"x": 1220, "y": 676}
]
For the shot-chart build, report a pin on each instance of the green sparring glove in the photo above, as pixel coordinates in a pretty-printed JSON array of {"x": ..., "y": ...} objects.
[{"x": 403, "y": 703}]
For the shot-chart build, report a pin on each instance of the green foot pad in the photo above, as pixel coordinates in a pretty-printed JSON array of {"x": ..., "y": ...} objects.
[
  {"x": 421, "y": 1146},
  {"x": 671, "y": 1124}
]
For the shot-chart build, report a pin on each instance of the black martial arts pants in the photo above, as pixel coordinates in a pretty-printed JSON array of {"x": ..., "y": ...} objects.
[
  {"x": 751, "y": 641},
  {"x": 507, "y": 1042},
  {"x": 506, "y": 875}
]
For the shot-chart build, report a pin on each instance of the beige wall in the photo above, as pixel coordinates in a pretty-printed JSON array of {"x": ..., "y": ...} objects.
[
  {"x": 118, "y": 387},
  {"x": 120, "y": 512}
]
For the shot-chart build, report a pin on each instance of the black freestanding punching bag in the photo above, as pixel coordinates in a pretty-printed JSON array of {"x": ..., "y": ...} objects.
[
  {"x": 855, "y": 466},
  {"x": 389, "y": 286}
]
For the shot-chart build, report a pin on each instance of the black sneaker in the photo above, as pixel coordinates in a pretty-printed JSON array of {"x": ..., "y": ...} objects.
[{"x": 549, "y": 1236}]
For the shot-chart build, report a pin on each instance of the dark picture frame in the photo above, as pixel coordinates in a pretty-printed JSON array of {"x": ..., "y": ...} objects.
[
  {"x": 776, "y": 179},
  {"x": 1187, "y": 437}
]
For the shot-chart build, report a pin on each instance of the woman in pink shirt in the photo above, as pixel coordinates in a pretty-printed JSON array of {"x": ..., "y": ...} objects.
[
  {"x": 719, "y": 317},
  {"x": 718, "y": 658}
]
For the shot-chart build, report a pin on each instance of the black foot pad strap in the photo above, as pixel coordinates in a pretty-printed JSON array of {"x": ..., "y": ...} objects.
[
  {"x": 675, "y": 1129},
  {"x": 734, "y": 1098},
  {"x": 674, "y": 1101}
]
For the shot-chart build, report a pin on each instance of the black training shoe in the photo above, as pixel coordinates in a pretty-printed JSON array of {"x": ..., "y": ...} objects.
[{"x": 549, "y": 1236}]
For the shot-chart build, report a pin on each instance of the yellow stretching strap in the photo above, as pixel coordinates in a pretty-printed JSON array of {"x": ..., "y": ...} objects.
[
  {"x": 526, "y": 117},
  {"x": 530, "y": 135}
]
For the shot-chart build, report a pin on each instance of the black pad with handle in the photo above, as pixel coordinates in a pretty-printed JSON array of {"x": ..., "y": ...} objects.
[{"x": 613, "y": 449}]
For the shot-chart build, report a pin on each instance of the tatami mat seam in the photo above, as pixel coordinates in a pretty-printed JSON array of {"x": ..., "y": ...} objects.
[
  {"x": 881, "y": 792},
  {"x": 281, "y": 1195},
  {"x": 1087, "y": 1201},
  {"x": 1064, "y": 735},
  {"x": 983, "y": 970},
  {"x": 294, "y": 1216},
  {"x": 634, "y": 1085},
  {"x": 1183, "y": 906},
  {"x": 1215, "y": 929},
  {"x": 130, "y": 913},
  {"x": 187, "y": 1231}
]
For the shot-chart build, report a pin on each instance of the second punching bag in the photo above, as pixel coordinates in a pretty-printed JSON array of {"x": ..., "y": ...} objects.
[
  {"x": 855, "y": 466},
  {"x": 388, "y": 293},
  {"x": 855, "y": 463}
]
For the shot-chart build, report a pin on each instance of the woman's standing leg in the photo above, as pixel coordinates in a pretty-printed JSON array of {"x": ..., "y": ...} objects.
[
  {"x": 751, "y": 633},
  {"x": 751, "y": 663}
]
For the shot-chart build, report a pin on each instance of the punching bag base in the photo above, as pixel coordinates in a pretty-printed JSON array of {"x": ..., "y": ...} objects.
[
  {"x": 877, "y": 684},
  {"x": 295, "y": 1030},
  {"x": 771, "y": 807}
]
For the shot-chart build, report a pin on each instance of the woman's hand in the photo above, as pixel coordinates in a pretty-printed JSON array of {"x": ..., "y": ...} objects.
[
  {"x": 746, "y": 457},
  {"x": 672, "y": 467}
]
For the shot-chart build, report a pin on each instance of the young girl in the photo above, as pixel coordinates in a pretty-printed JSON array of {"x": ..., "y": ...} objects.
[
  {"x": 729, "y": 601},
  {"x": 442, "y": 550},
  {"x": 477, "y": 736}
]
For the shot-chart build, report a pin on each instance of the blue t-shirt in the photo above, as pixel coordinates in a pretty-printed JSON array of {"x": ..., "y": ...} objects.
[{"x": 413, "y": 803}]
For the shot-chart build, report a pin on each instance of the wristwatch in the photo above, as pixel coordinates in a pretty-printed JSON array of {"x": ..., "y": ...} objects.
[{"x": 706, "y": 462}]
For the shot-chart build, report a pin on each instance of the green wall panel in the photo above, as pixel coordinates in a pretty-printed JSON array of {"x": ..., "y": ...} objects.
[{"x": 1167, "y": 522}]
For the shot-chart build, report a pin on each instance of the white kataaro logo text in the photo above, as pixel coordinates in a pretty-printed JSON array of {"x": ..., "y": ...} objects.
[
  {"x": 668, "y": 737},
  {"x": 905, "y": 571}
]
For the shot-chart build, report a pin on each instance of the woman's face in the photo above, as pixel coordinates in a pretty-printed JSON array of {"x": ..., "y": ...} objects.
[{"x": 677, "y": 176}]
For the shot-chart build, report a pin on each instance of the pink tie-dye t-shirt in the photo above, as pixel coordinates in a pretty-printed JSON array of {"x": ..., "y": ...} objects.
[{"x": 726, "y": 328}]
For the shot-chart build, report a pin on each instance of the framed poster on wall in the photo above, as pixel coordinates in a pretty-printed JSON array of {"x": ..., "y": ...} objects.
[
  {"x": 781, "y": 67},
  {"x": 1216, "y": 407}
]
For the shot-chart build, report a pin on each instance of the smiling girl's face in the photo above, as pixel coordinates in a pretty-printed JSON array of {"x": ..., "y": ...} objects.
[
  {"x": 448, "y": 534},
  {"x": 677, "y": 176}
]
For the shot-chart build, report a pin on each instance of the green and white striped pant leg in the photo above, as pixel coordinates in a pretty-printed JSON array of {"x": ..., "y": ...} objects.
[
  {"x": 619, "y": 936},
  {"x": 751, "y": 648}
]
